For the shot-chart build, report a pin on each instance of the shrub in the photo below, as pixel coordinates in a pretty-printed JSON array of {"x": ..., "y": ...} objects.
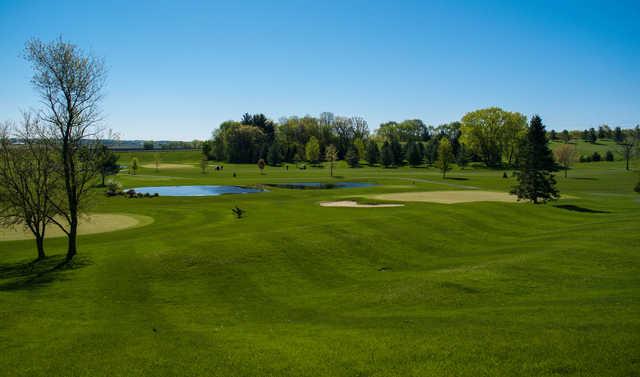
[
  {"x": 608, "y": 156},
  {"x": 113, "y": 188},
  {"x": 596, "y": 157}
]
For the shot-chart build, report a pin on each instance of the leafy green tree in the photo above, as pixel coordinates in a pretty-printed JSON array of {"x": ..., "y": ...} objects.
[
  {"x": 373, "y": 153},
  {"x": 274, "y": 156},
  {"x": 207, "y": 149},
  {"x": 243, "y": 143},
  {"x": 462, "y": 158},
  {"x": 535, "y": 181},
  {"x": 331, "y": 156},
  {"x": 134, "y": 165},
  {"x": 312, "y": 150},
  {"x": 493, "y": 134},
  {"x": 107, "y": 163},
  {"x": 386, "y": 157},
  {"x": 352, "y": 157},
  {"x": 414, "y": 157},
  {"x": 445, "y": 156},
  {"x": 565, "y": 136},
  {"x": 358, "y": 144},
  {"x": 148, "y": 145}
]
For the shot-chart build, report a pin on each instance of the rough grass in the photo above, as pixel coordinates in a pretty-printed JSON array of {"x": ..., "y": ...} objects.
[
  {"x": 168, "y": 166},
  {"x": 355, "y": 204},
  {"x": 449, "y": 197},
  {"x": 90, "y": 224},
  {"x": 294, "y": 289}
]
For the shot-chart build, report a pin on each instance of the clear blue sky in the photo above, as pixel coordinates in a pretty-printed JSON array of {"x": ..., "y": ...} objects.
[{"x": 177, "y": 69}]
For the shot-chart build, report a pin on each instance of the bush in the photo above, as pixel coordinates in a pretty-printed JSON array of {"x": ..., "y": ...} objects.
[
  {"x": 637, "y": 188},
  {"x": 596, "y": 157},
  {"x": 113, "y": 188},
  {"x": 608, "y": 156},
  {"x": 585, "y": 158}
]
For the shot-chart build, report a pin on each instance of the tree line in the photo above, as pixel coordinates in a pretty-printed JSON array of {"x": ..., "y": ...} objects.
[{"x": 491, "y": 136}]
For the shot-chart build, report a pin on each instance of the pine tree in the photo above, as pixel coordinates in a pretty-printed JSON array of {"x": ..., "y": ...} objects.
[
  {"x": 386, "y": 155},
  {"x": 373, "y": 153},
  {"x": 413, "y": 154},
  {"x": 535, "y": 181},
  {"x": 352, "y": 157},
  {"x": 398, "y": 154}
]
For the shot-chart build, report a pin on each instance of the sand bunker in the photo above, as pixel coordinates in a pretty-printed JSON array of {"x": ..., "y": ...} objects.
[
  {"x": 168, "y": 166},
  {"x": 94, "y": 223},
  {"x": 449, "y": 197},
  {"x": 352, "y": 204}
]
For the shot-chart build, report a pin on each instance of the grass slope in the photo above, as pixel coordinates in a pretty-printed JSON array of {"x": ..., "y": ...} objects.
[{"x": 296, "y": 289}]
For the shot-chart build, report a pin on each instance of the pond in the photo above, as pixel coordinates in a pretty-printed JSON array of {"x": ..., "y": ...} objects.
[
  {"x": 321, "y": 185},
  {"x": 196, "y": 190}
]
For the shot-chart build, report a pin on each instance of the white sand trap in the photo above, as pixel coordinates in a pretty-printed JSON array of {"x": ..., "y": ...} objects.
[
  {"x": 168, "y": 166},
  {"x": 352, "y": 204},
  {"x": 94, "y": 223},
  {"x": 449, "y": 197}
]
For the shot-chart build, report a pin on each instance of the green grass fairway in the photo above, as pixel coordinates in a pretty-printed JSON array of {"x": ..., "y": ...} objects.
[{"x": 297, "y": 289}]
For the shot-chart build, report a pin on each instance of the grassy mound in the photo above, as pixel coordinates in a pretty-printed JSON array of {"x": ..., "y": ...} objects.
[{"x": 91, "y": 224}]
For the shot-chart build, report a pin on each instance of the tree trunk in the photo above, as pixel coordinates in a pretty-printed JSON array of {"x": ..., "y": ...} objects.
[
  {"x": 40, "y": 245},
  {"x": 565, "y": 171},
  {"x": 102, "y": 175},
  {"x": 72, "y": 236}
]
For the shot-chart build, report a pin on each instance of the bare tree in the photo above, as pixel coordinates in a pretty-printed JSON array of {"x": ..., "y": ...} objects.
[
  {"x": 627, "y": 149},
  {"x": 566, "y": 155},
  {"x": 331, "y": 155},
  {"x": 28, "y": 179},
  {"x": 70, "y": 86}
]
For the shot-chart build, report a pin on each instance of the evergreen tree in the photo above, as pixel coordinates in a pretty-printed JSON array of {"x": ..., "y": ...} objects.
[
  {"x": 398, "y": 154},
  {"x": 373, "y": 153},
  {"x": 386, "y": 155},
  {"x": 413, "y": 154},
  {"x": 593, "y": 137},
  {"x": 352, "y": 157},
  {"x": 535, "y": 181},
  {"x": 618, "y": 136}
]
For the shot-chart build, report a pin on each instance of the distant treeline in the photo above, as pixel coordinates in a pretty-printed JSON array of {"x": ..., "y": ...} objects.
[{"x": 490, "y": 135}]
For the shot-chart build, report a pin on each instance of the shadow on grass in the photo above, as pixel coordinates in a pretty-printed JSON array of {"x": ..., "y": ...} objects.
[
  {"x": 38, "y": 273},
  {"x": 571, "y": 207},
  {"x": 585, "y": 178},
  {"x": 457, "y": 178}
]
